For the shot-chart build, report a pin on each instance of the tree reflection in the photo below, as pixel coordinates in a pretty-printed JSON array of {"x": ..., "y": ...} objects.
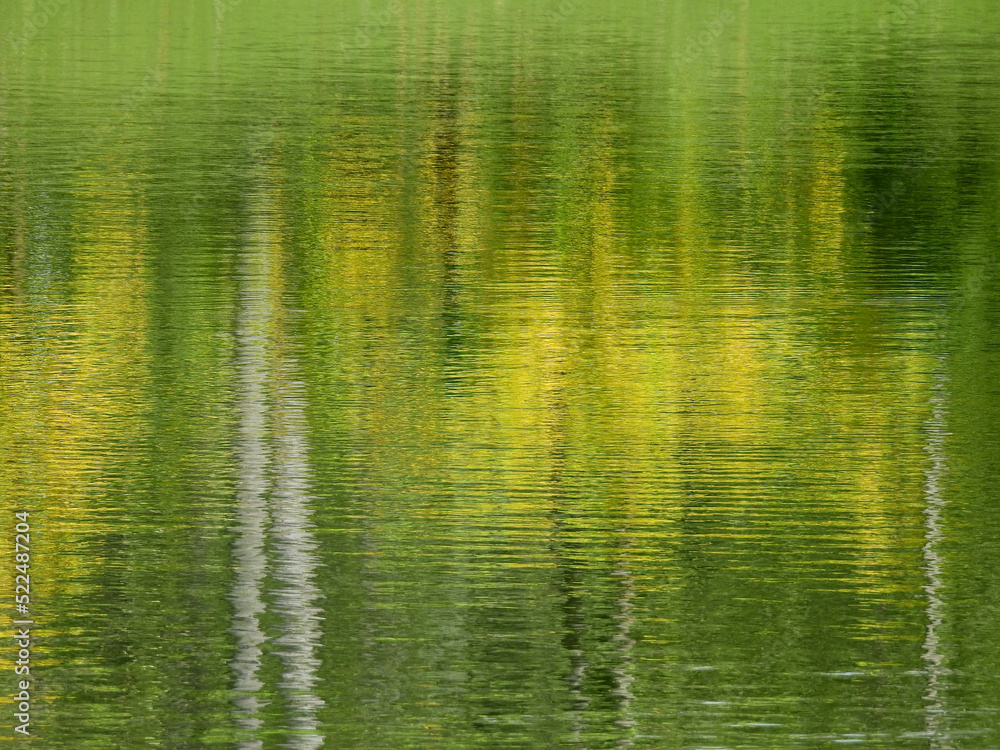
[{"x": 274, "y": 507}]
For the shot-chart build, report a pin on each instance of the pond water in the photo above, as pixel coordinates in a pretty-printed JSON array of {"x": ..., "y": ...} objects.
[{"x": 509, "y": 374}]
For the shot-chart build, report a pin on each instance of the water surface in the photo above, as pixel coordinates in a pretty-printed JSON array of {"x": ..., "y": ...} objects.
[{"x": 504, "y": 375}]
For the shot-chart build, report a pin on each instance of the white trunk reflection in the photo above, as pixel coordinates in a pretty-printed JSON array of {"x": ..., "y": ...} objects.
[
  {"x": 933, "y": 534},
  {"x": 625, "y": 619},
  {"x": 273, "y": 515}
]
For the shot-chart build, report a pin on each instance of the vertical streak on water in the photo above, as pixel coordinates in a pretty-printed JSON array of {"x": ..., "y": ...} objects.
[
  {"x": 295, "y": 562},
  {"x": 933, "y": 525},
  {"x": 622, "y": 672},
  {"x": 295, "y": 566},
  {"x": 272, "y": 437},
  {"x": 249, "y": 559},
  {"x": 574, "y": 624}
]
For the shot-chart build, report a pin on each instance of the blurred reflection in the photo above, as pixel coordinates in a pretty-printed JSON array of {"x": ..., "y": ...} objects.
[
  {"x": 936, "y": 427},
  {"x": 605, "y": 383},
  {"x": 249, "y": 558},
  {"x": 273, "y": 513}
]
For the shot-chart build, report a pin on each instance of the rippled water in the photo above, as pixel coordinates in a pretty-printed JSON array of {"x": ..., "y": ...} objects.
[{"x": 503, "y": 374}]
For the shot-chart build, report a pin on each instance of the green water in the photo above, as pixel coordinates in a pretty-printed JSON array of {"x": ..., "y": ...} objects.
[{"x": 522, "y": 374}]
